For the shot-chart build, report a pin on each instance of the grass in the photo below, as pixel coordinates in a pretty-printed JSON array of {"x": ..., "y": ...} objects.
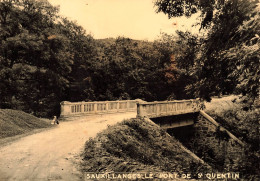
[
  {"x": 230, "y": 112},
  {"x": 137, "y": 146},
  {"x": 236, "y": 115},
  {"x": 14, "y": 122}
]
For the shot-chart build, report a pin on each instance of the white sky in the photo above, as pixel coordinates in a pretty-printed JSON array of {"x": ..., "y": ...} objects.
[{"x": 135, "y": 19}]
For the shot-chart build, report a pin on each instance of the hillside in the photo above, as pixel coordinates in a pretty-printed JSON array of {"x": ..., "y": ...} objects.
[
  {"x": 237, "y": 115},
  {"x": 13, "y": 122},
  {"x": 137, "y": 146},
  {"x": 242, "y": 119}
]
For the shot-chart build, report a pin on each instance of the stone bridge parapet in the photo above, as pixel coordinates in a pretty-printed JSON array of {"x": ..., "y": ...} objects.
[
  {"x": 167, "y": 108},
  {"x": 69, "y": 109}
]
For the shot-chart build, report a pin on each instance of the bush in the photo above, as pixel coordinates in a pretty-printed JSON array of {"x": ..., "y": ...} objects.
[
  {"x": 137, "y": 145},
  {"x": 13, "y": 122}
]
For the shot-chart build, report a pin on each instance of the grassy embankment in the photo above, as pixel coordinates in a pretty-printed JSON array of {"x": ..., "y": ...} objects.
[
  {"x": 235, "y": 115},
  {"x": 137, "y": 146},
  {"x": 14, "y": 122},
  {"x": 242, "y": 119}
]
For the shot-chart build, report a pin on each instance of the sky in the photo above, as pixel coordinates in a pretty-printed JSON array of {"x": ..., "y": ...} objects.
[{"x": 135, "y": 19}]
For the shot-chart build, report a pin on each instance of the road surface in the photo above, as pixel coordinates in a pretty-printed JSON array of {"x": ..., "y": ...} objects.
[{"x": 53, "y": 154}]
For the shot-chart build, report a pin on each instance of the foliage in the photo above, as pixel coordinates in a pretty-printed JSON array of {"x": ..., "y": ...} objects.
[
  {"x": 176, "y": 8},
  {"x": 129, "y": 69},
  {"x": 120, "y": 148},
  {"x": 219, "y": 73},
  {"x": 35, "y": 58},
  {"x": 13, "y": 122},
  {"x": 46, "y": 59},
  {"x": 39, "y": 53},
  {"x": 244, "y": 125},
  {"x": 245, "y": 56},
  {"x": 226, "y": 60}
]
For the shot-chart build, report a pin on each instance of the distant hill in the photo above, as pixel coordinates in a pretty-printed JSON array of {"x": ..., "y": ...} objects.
[
  {"x": 109, "y": 41},
  {"x": 13, "y": 122},
  {"x": 106, "y": 40}
]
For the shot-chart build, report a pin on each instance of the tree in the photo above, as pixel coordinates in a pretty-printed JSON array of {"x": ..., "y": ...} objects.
[
  {"x": 245, "y": 56},
  {"x": 177, "y": 8},
  {"x": 214, "y": 73},
  {"x": 225, "y": 61},
  {"x": 84, "y": 50},
  {"x": 130, "y": 69},
  {"x": 35, "y": 56}
]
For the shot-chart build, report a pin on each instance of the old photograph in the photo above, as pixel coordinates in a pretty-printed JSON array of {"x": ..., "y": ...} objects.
[{"x": 129, "y": 90}]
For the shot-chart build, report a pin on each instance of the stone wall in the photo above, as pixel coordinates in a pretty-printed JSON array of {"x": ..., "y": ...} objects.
[{"x": 214, "y": 146}]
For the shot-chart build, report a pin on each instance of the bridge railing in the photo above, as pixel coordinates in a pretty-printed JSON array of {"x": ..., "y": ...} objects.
[
  {"x": 167, "y": 108},
  {"x": 105, "y": 107}
]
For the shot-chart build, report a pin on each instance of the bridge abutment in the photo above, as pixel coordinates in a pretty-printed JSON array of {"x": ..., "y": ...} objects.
[{"x": 212, "y": 143}]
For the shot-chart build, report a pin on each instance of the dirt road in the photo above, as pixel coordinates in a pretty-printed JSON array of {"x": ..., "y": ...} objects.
[{"x": 53, "y": 154}]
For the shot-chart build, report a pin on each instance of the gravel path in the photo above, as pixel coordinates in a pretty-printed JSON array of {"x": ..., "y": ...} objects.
[{"x": 53, "y": 154}]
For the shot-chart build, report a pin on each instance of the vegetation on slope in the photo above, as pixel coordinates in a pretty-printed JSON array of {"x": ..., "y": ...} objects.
[
  {"x": 13, "y": 122},
  {"x": 137, "y": 146},
  {"x": 215, "y": 147},
  {"x": 236, "y": 115}
]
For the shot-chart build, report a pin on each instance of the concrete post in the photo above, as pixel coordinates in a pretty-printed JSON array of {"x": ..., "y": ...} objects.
[
  {"x": 138, "y": 110},
  {"x": 95, "y": 107},
  {"x": 127, "y": 106},
  {"x": 106, "y": 106},
  {"x": 141, "y": 111},
  {"x": 82, "y": 107},
  {"x": 157, "y": 109},
  {"x": 62, "y": 109},
  {"x": 65, "y": 108},
  {"x": 117, "y": 106}
]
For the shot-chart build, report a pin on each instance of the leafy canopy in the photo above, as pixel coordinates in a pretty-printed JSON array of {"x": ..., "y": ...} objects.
[{"x": 227, "y": 60}]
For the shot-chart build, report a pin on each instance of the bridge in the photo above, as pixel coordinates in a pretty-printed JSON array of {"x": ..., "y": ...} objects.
[
  {"x": 184, "y": 110},
  {"x": 167, "y": 108},
  {"x": 73, "y": 109},
  {"x": 167, "y": 114},
  {"x": 143, "y": 108}
]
